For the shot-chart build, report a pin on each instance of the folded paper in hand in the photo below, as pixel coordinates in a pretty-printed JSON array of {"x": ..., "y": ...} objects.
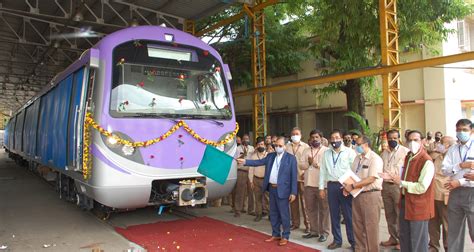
[{"x": 350, "y": 178}]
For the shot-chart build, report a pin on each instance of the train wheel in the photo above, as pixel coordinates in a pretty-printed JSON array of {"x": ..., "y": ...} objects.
[{"x": 102, "y": 212}]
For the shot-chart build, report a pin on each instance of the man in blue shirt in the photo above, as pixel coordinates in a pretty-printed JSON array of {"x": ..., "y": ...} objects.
[
  {"x": 335, "y": 163},
  {"x": 281, "y": 181}
]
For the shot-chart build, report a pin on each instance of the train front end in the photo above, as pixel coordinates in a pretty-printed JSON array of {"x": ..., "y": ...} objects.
[{"x": 159, "y": 96}]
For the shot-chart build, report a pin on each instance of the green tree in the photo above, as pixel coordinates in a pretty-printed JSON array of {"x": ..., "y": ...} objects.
[
  {"x": 286, "y": 46},
  {"x": 348, "y": 36}
]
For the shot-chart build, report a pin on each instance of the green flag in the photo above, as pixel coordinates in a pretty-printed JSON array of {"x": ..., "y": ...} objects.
[{"x": 215, "y": 164}]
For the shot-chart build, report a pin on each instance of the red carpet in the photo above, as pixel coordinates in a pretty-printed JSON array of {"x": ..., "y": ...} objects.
[{"x": 201, "y": 234}]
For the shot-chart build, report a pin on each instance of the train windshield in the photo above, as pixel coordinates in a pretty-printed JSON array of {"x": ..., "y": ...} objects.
[{"x": 153, "y": 79}]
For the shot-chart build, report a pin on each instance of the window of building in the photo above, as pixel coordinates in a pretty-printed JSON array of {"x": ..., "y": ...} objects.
[
  {"x": 463, "y": 35},
  {"x": 281, "y": 124},
  {"x": 327, "y": 121}
]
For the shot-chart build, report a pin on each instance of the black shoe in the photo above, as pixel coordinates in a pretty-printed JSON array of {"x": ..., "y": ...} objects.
[
  {"x": 343, "y": 222},
  {"x": 264, "y": 214},
  {"x": 322, "y": 238},
  {"x": 334, "y": 246},
  {"x": 258, "y": 218},
  {"x": 310, "y": 235}
]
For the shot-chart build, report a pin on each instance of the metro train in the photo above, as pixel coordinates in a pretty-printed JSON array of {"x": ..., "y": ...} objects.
[{"x": 125, "y": 126}]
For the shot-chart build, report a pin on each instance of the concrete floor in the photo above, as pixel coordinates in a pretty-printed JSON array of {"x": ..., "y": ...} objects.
[{"x": 32, "y": 215}]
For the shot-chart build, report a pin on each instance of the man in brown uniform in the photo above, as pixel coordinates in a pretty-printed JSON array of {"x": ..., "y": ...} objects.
[
  {"x": 441, "y": 197},
  {"x": 242, "y": 185},
  {"x": 366, "y": 206},
  {"x": 296, "y": 147},
  {"x": 393, "y": 159},
  {"x": 317, "y": 207},
  {"x": 256, "y": 175}
]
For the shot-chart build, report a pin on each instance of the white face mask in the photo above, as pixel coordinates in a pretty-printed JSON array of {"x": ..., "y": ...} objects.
[
  {"x": 414, "y": 146},
  {"x": 279, "y": 150},
  {"x": 296, "y": 138}
]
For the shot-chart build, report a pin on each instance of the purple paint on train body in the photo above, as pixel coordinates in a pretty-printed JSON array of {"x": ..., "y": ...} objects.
[{"x": 169, "y": 153}]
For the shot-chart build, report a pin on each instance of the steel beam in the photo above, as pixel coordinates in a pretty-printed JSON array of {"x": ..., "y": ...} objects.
[
  {"x": 437, "y": 61},
  {"x": 392, "y": 108}
]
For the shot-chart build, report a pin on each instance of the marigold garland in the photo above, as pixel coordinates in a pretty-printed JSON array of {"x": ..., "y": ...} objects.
[{"x": 89, "y": 122}]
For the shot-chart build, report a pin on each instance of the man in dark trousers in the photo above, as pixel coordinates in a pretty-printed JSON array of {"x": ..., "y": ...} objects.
[{"x": 281, "y": 181}]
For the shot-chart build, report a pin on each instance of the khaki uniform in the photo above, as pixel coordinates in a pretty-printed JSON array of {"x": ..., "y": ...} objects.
[
  {"x": 318, "y": 208},
  {"x": 432, "y": 150},
  {"x": 256, "y": 176},
  {"x": 441, "y": 209},
  {"x": 392, "y": 163},
  {"x": 366, "y": 206},
  {"x": 298, "y": 150},
  {"x": 242, "y": 187}
]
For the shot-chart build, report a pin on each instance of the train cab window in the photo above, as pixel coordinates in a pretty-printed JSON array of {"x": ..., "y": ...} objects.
[{"x": 156, "y": 79}]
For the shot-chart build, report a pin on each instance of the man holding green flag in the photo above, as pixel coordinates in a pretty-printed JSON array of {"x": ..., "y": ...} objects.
[{"x": 281, "y": 181}]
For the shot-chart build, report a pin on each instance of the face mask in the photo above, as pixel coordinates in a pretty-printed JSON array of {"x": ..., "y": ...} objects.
[
  {"x": 261, "y": 149},
  {"x": 463, "y": 136},
  {"x": 359, "y": 149},
  {"x": 296, "y": 138},
  {"x": 392, "y": 144},
  {"x": 336, "y": 145},
  {"x": 437, "y": 139},
  {"x": 347, "y": 142},
  {"x": 414, "y": 147},
  {"x": 245, "y": 142},
  {"x": 428, "y": 137},
  {"x": 353, "y": 142},
  {"x": 238, "y": 144},
  {"x": 279, "y": 150},
  {"x": 440, "y": 148},
  {"x": 315, "y": 144}
]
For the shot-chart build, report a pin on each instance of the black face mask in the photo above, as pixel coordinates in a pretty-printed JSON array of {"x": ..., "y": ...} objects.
[
  {"x": 245, "y": 143},
  {"x": 336, "y": 145},
  {"x": 347, "y": 142},
  {"x": 392, "y": 144},
  {"x": 238, "y": 144},
  {"x": 428, "y": 137},
  {"x": 260, "y": 149},
  {"x": 315, "y": 144},
  {"x": 437, "y": 139}
]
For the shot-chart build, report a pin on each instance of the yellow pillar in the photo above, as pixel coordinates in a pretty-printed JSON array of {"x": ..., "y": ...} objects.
[
  {"x": 259, "y": 75},
  {"x": 390, "y": 56}
]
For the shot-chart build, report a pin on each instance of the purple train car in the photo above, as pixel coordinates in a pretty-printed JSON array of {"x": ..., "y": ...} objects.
[{"x": 136, "y": 83}]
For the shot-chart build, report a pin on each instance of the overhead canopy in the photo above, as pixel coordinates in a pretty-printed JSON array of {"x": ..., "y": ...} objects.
[{"x": 34, "y": 41}]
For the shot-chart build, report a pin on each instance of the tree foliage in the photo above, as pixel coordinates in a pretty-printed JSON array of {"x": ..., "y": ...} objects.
[
  {"x": 348, "y": 37},
  {"x": 286, "y": 46}
]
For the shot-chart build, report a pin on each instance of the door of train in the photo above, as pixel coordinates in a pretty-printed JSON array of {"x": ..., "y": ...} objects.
[{"x": 81, "y": 96}]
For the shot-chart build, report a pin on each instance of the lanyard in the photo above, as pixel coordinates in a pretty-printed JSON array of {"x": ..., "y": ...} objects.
[
  {"x": 334, "y": 161},
  {"x": 314, "y": 155},
  {"x": 465, "y": 155},
  {"x": 264, "y": 154},
  {"x": 293, "y": 149},
  {"x": 359, "y": 165},
  {"x": 392, "y": 155}
]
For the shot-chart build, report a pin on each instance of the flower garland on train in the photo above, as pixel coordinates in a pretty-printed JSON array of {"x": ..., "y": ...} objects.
[{"x": 89, "y": 122}]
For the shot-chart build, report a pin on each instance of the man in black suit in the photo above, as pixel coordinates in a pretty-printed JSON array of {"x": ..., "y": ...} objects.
[{"x": 281, "y": 182}]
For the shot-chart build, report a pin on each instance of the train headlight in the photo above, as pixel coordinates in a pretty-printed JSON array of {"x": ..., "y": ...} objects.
[
  {"x": 128, "y": 150},
  {"x": 112, "y": 141}
]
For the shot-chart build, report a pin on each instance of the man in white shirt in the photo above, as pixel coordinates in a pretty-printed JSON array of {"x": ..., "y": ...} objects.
[{"x": 459, "y": 165}]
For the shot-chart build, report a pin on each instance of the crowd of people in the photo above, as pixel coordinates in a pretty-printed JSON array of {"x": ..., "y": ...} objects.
[{"x": 426, "y": 185}]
